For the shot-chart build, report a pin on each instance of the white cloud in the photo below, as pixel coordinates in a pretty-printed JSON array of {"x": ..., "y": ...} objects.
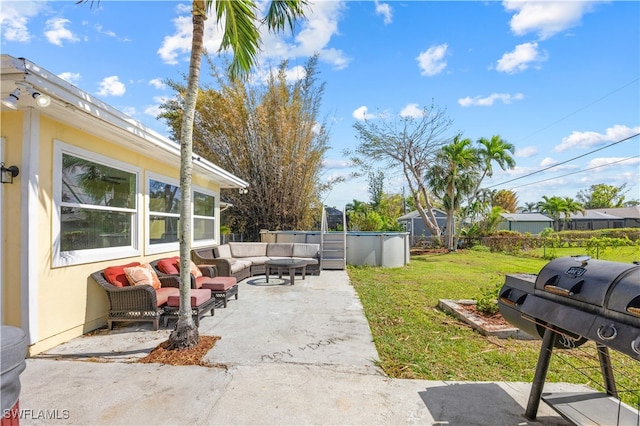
[
  {"x": 385, "y": 10},
  {"x": 336, "y": 164},
  {"x": 520, "y": 59},
  {"x": 412, "y": 110},
  {"x": 180, "y": 42},
  {"x": 71, "y": 77},
  {"x": 545, "y": 18},
  {"x": 130, "y": 111},
  {"x": 362, "y": 113},
  {"x": 101, "y": 30},
  {"x": 548, "y": 161},
  {"x": 526, "y": 152},
  {"x": 617, "y": 162},
  {"x": 584, "y": 140},
  {"x": 154, "y": 110},
  {"x": 14, "y": 17},
  {"x": 157, "y": 83},
  {"x": 111, "y": 86},
  {"x": 431, "y": 61},
  {"x": 56, "y": 32},
  {"x": 490, "y": 100}
]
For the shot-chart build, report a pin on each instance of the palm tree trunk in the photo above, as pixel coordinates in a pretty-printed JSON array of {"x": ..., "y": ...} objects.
[{"x": 186, "y": 335}]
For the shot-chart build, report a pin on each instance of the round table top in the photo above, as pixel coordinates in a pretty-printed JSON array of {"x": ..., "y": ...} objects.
[{"x": 285, "y": 262}]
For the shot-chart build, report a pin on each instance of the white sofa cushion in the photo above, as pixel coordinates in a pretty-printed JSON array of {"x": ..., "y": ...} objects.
[
  {"x": 248, "y": 249},
  {"x": 305, "y": 250},
  {"x": 222, "y": 251},
  {"x": 280, "y": 250}
]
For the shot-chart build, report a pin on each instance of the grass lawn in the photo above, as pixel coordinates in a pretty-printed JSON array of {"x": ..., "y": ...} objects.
[{"x": 416, "y": 340}]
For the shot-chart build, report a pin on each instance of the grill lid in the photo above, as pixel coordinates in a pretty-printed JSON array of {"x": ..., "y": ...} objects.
[
  {"x": 581, "y": 279},
  {"x": 625, "y": 295}
]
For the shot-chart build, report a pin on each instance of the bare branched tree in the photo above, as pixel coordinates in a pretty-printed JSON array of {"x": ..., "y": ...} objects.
[{"x": 409, "y": 145}]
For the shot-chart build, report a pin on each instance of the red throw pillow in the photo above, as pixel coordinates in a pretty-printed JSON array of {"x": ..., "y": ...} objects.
[
  {"x": 169, "y": 266},
  {"x": 116, "y": 276}
]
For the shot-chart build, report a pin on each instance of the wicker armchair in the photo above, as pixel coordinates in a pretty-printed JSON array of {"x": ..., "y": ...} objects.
[
  {"x": 134, "y": 303},
  {"x": 207, "y": 271},
  {"x": 221, "y": 288}
]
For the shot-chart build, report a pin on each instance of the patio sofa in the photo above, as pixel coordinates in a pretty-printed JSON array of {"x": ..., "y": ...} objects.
[
  {"x": 135, "y": 302},
  {"x": 243, "y": 260}
]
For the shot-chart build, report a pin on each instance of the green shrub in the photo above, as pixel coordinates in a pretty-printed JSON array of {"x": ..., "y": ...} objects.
[{"x": 487, "y": 303}]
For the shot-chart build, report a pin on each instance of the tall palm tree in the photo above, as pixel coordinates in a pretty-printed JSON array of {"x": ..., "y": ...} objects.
[
  {"x": 571, "y": 206},
  {"x": 241, "y": 35},
  {"x": 553, "y": 207},
  {"x": 447, "y": 177},
  {"x": 496, "y": 150}
]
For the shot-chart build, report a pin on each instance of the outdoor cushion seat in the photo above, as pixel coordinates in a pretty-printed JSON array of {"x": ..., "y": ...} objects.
[
  {"x": 198, "y": 297},
  {"x": 164, "y": 293},
  {"x": 222, "y": 288},
  {"x": 306, "y": 259},
  {"x": 201, "y": 302}
]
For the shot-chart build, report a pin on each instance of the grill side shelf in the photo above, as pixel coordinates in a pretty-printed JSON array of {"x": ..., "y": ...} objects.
[{"x": 591, "y": 408}]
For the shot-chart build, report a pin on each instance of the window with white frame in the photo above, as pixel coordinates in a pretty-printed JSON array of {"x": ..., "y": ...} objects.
[
  {"x": 204, "y": 223},
  {"x": 96, "y": 202},
  {"x": 164, "y": 212}
]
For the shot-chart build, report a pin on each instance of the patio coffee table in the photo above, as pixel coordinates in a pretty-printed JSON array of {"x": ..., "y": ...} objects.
[{"x": 281, "y": 264}]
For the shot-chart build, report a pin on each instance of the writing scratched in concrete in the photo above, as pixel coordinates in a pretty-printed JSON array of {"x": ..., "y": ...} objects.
[{"x": 290, "y": 353}]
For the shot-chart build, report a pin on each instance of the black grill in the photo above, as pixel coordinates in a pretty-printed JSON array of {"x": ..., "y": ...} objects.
[{"x": 573, "y": 300}]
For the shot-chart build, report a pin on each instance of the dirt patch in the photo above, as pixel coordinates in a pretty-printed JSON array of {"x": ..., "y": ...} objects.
[
  {"x": 192, "y": 356},
  {"x": 495, "y": 320},
  {"x": 487, "y": 325}
]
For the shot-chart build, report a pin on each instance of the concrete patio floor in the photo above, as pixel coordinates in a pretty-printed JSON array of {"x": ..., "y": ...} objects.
[{"x": 299, "y": 354}]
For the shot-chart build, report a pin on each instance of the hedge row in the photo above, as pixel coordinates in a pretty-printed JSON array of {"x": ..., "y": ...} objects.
[{"x": 516, "y": 242}]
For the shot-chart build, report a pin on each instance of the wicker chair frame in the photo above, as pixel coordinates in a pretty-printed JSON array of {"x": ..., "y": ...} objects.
[{"x": 133, "y": 303}]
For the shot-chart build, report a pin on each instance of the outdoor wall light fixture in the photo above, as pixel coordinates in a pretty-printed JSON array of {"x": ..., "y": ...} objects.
[
  {"x": 11, "y": 101},
  {"x": 8, "y": 173},
  {"x": 242, "y": 190},
  {"x": 42, "y": 101}
]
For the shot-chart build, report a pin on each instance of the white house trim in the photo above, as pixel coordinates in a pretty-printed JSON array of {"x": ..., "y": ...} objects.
[{"x": 30, "y": 187}]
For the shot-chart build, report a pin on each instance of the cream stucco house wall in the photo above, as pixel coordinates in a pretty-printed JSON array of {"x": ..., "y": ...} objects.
[{"x": 95, "y": 188}]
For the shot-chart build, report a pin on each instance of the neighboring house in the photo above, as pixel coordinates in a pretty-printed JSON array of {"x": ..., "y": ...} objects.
[
  {"x": 95, "y": 188},
  {"x": 630, "y": 215},
  {"x": 335, "y": 219},
  {"x": 534, "y": 223},
  {"x": 415, "y": 226},
  {"x": 591, "y": 220}
]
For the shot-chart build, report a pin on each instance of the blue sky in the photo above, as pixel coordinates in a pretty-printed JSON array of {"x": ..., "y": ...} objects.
[{"x": 557, "y": 79}]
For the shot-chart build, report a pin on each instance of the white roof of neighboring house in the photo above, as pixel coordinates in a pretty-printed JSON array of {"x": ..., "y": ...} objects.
[
  {"x": 414, "y": 214},
  {"x": 625, "y": 212},
  {"x": 81, "y": 110},
  {"x": 593, "y": 215},
  {"x": 526, "y": 217}
]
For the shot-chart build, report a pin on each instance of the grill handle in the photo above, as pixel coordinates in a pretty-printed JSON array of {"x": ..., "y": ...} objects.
[
  {"x": 558, "y": 290},
  {"x": 508, "y": 301},
  {"x": 561, "y": 291}
]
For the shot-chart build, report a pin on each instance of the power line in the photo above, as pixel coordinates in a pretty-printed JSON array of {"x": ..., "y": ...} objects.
[
  {"x": 579, "y": 171},
  {"x": 564, "y": 162},
  {"x": 578, "y": 110}
]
